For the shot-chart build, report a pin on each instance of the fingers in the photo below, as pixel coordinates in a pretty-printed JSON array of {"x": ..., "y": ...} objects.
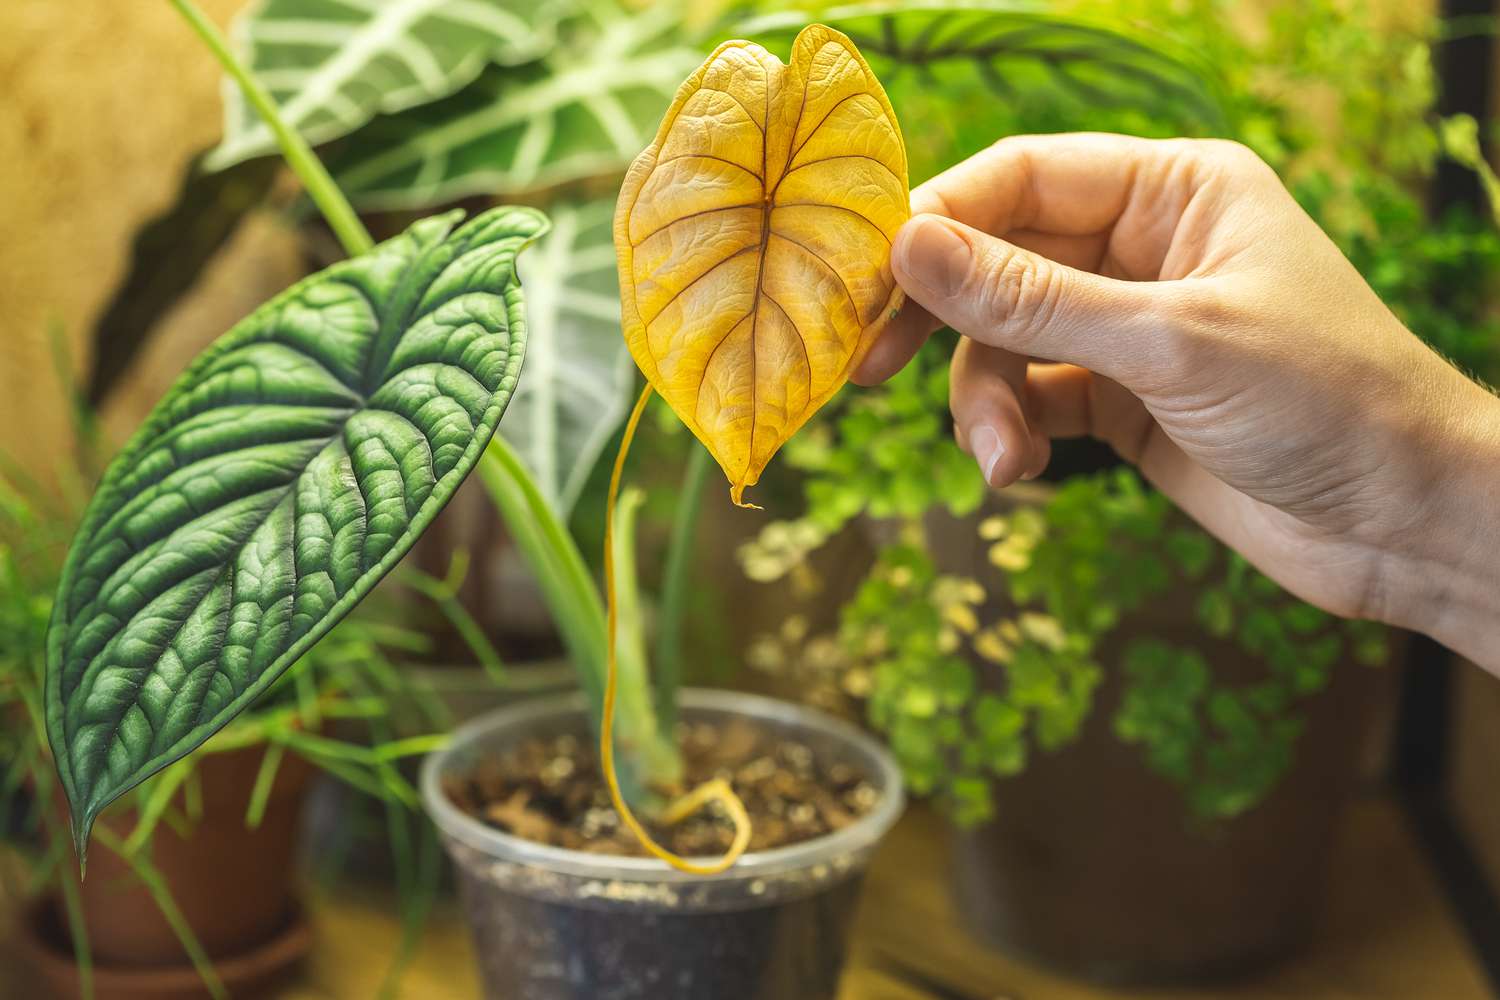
[
  {"x": 1088, "y": 201},
  {"x": 904, "y": 336},
  {"x": 1007, "y": 297},
  {"x": 1068, "y": 185},
  {"x": 1066, "y": 401},
  {"x": 898, "y": 344},
  {"x": 987, "y": 390}
]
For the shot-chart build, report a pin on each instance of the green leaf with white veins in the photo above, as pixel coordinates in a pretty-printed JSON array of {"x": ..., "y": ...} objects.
[
  {"x": 585, "y": 110},
  {"x": 579, "y": 378},
  {"x": 290, "y": 467},
  {"x": 332, "y": 65}
]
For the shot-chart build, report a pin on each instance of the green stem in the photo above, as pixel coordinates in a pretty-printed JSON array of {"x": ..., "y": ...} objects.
[
  {"x": 578, "y": 611},
  {"x": 443, "y": 596},
  {"x": 299, "y": 156},
  {"x": 554, "y": 558},
  {"x": 78, "y": 929},
  {"x": 156, "y": 886},
  {"x": 667, "y": 670}
]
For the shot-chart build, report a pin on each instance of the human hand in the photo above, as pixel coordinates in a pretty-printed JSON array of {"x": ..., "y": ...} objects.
[{"x": 1172, "y": 299}]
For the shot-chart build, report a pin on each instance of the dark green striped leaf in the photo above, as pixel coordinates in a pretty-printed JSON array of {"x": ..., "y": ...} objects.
[
  {"x": 585, "y": 110},
  {"x": 332, "y": 65},
  {"x": 285, "y": 473},
  {"x": 1015, "y": 50}
]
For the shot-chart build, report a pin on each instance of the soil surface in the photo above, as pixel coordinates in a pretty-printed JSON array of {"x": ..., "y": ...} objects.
[{"x": 551, "y": 791}]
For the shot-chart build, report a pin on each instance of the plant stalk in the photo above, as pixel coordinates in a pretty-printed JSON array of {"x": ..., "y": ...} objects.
[
  {"x": 554, "y": 558},
  {"x": 320, "y": 186},
  {"x": 667, "y": 669},
  {"x": 578, "y": 611}
]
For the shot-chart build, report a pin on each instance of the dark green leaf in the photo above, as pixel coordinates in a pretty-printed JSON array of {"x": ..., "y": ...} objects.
[
  {"x": 286, "y": 472},
  {"x": 1015, "y": 49}
]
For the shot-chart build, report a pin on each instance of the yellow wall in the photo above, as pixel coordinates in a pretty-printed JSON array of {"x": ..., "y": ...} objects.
[{"x": 102, "y": 104}]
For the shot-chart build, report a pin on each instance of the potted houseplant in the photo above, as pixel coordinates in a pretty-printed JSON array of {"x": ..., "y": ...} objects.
[
  {"x": 547, "y": 106},
  {"x": 1079, "y": 658},
  {"x": 1074, "y": 657},
  {"x": 151, "y": 919}
]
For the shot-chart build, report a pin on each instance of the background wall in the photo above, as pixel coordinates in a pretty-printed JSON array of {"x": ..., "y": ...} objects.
[{"x": 102, "y": 105}]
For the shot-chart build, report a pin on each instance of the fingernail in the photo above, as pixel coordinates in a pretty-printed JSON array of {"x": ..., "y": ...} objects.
[
  {"x": 934, "y": 256},
  {"x": 988, "y": 449}
]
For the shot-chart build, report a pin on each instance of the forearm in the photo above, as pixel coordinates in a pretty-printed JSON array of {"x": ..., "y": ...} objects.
[{"x": 1444, "y": 574}]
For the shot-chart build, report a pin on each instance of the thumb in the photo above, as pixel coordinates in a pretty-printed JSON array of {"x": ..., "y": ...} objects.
[{"x": 1008, "y": 297}]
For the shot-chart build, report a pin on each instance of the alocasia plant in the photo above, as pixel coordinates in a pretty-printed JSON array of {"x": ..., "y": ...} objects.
[
  {"x": 284, "y": 474},
  {"x": 578, "y": 376},
  {"x": 582, "y": 111},
  {"x": 332, "y": 65},
  {"x": 754, "y": 243}
]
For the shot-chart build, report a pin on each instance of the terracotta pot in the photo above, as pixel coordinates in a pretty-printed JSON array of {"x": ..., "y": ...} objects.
[
  {"x": 234, "y": 886},
  {"x": 46, "y": 950},
  {"x": 1093, "y": 863}
]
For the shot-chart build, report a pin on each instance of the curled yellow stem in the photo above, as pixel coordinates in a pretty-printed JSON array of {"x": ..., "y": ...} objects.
[{"x": 717, "y": 790}]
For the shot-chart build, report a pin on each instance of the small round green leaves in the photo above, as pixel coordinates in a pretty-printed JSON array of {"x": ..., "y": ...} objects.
[{"x": 285, "y": 473}]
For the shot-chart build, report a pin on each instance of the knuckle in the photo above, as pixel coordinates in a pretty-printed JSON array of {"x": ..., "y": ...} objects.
[
  {"x": 1019, "y": 292},
  {"x": 1229, "y": 151},
  {"x": 1233, "y": 157}
]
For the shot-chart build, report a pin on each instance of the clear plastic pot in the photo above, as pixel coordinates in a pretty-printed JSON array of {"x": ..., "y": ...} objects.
[{"x": 555, "y": 924}]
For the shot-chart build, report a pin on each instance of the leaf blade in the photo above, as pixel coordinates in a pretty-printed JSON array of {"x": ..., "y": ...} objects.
[
  {"x": 332, "y": 66},
  {"x": 288, "y": 469},
  {"x": 1016, "y": 48},
  {"x": 582, "y": 112},
  {"x": 579, "y": 381}
]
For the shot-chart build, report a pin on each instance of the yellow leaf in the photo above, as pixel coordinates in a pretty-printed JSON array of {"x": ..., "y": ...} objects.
[{"x": 754, "y": 240}]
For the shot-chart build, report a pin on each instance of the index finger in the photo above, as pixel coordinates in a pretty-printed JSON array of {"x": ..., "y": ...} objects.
[{"x": 1072, "y": 184}]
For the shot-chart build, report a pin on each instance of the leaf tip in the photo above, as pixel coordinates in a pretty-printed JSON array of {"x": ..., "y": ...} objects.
[
  {"x": 737, "y": 497},
  {"x": 83, "y": 825}
]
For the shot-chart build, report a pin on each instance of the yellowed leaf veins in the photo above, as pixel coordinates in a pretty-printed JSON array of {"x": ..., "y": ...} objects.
[{"x": 754, "y": 239}]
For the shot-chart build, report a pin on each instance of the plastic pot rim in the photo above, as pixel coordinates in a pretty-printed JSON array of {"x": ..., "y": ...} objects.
[{"x": 861, "y": 835}]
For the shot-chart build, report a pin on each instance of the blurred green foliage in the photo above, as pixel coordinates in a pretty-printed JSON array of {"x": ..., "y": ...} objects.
[{"x": 964, "y": 674}]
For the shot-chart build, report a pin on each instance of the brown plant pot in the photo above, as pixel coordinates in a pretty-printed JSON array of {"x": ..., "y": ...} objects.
[
  {"x": 1094, "y": 864},
  {"x": 47, "y": 951},
  {"x": 235, "y": 886}
]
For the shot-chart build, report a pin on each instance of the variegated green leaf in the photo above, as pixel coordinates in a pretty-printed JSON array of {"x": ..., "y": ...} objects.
[
  {"x": 578, "y": 372},
  {"x": 285, "y": 473},
  {"x": 586, "y": 109},
  {"x": 332, "y": 65}
]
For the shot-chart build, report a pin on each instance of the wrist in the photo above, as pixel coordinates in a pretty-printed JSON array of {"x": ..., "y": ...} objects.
[{"x": 1442, "y": 566}]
